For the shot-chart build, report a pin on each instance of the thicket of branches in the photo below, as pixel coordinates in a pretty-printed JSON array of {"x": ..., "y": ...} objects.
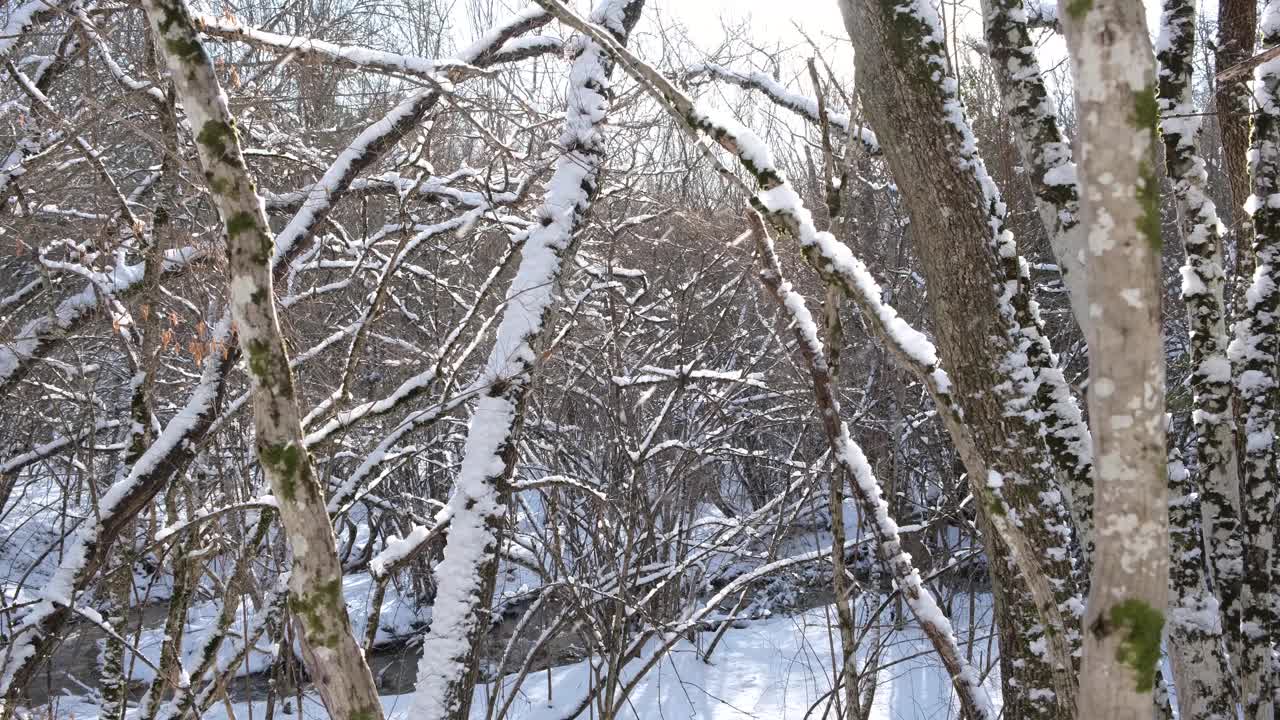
[{"x": 567, "y": 341}]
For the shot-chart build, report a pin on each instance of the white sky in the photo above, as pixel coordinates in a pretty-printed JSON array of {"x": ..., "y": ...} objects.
[
  {"x": 772, "y": 25},
  {"x": 766, "y": 18},
  {"x": 776, "y": 18},
  {"x": 767, "y": 25}
]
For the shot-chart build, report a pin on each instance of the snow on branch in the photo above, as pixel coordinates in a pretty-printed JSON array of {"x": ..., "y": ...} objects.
[
  {"x": 393, "y": 183},
  {"x": 803, "y": 106},
  {"x": 651, "y": 375},
  {"x": 35, "y": 634},
  {"x": 17, "y": 462},
  {"x": 372, "y": 143},
  {"x": 343, "y": 55},
  {"x": 1043, "y": 15},
  {"x": 478, "y": 506},
  {"x": 23, "y": 18},
  {"x": 35, "y": 338},
  {"x": 866, "y": 488},
  {"x": 781, "y": 205}
]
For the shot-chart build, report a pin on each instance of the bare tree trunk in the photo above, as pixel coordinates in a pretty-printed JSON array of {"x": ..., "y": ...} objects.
[
  {"x": 1113, "y": 68},
  {"x": 1197, "y": 652},
  {"x": 1237, "y": 36},
  {"x": 333, "y": 656},
  {"x": 1253, "y": 353},
  {"x": 1196, "y": 618},
  {"x": 845, "y": 618},
  {"x": 984, "y": 320}
]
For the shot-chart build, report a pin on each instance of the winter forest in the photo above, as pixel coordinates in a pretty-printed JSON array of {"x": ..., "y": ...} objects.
[{"x": 596, "y": 359}]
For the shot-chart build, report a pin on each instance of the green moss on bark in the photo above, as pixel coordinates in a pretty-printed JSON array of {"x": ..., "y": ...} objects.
[
  {"x": 247, "y": 222},
  {"x": 186, "y": 49},
  {"x": 1077, "y": 9},
  {"x": 1140, "y": 626},
  {"x": 286, "y": 460},
  {"x": 217, "y": 136},
  {"x": 1146, "y": 109},
  {"x": 1146, "y": 115},
  {"x": 242, "y": 222},
  {"x": 322, "y": 612},
  {"x": 1149, "y": 200},
  {"x": 260, "y": 360}
]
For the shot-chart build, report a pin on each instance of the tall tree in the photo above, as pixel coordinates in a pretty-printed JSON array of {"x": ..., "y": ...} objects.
[
  {"x": 985, "y": 321},
  {"x": 1196, "y": 617},
  {"x": 1237, "y": 37},
  {"x": 1253, "y": 353},
  {"x": 1113, "y": 68},
  {"x": 316, "y": 598}
]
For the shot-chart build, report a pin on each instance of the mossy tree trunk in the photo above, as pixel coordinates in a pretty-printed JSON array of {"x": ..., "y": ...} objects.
[
  {"x": 1196, "y": 649},
  {"x": 985, "y": 320},
  {"x": 1253, "y": 354},
  {"x": 333, "y": 656},
  {"x": 1114, "y": 72}
]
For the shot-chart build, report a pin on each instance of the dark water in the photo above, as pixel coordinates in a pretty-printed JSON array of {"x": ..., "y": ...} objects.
[{"x": 74, "y": 668}]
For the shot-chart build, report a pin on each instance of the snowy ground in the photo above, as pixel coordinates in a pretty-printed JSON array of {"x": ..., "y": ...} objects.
[
  {"x": 776, "y": 668},
  {"x": 781, "y": 667}
]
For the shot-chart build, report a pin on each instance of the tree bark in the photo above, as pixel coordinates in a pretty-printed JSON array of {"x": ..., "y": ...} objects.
[
  {"x": 1196, "y": 617},
  {"x": 1047, "y": 156},
  {"x": 1114, "y": 73},
  {"x": 1237, "y": 36},
  {"x": 1197, "y": 653},
  {"x": 333, "y": 656},
  {"x": 1253, "y": 354},
  {"x": 978, "y": 304}
]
